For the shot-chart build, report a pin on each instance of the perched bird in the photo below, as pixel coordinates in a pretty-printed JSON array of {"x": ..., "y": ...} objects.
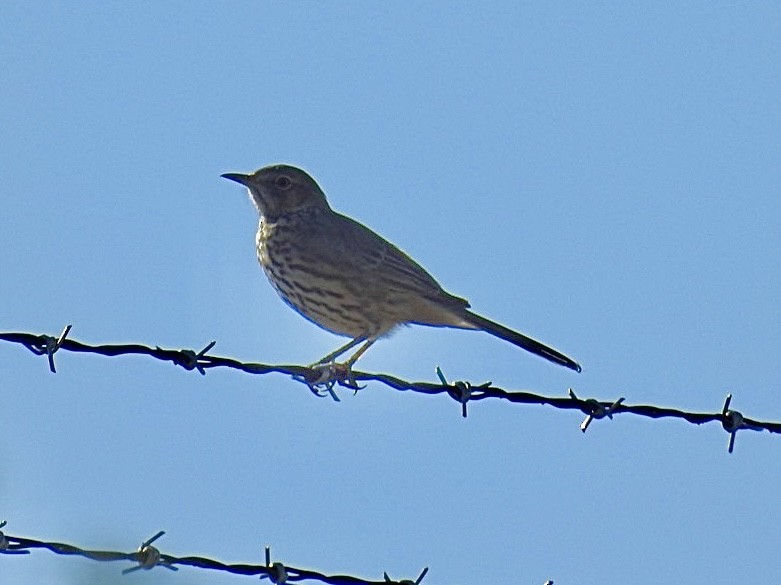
[{"x": 347, "y": 279}]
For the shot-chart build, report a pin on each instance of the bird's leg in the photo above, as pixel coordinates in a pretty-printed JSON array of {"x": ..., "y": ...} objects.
[
  {"x": 335, "y": 354},
  {"x": 361, "y": 350},
  {"x": 346, "y": 369}
]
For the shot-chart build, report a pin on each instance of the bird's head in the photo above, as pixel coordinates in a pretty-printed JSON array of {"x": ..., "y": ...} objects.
[{"x": 280, "y": 189}]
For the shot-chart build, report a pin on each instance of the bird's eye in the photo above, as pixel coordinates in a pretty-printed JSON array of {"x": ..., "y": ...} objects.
[{"x": 283, "y": 182}]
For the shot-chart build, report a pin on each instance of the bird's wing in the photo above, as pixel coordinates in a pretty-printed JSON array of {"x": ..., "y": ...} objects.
[{"x": 365, "y": 250}]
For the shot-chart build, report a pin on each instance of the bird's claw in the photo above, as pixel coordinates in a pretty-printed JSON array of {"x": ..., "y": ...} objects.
[{"x": 323, "y": 378}]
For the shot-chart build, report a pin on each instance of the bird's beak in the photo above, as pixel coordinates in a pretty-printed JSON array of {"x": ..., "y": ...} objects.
[{"x": 239, "y": 178}]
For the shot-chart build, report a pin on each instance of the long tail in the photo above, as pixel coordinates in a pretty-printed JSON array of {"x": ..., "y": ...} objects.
[{"x": 527, "y": 343}]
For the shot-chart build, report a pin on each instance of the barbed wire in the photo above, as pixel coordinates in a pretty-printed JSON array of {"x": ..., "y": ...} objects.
[
  {"x": 148, "y": 557},
  {"x": 321, "y": 380}
]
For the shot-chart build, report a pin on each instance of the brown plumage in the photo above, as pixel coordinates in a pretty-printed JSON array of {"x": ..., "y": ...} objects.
[{"x": 342, "y": 276}]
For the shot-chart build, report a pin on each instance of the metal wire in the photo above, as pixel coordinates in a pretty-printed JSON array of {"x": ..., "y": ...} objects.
[
  {"x": 147, "y": 557},
  {"x": 322, "y": 380}
]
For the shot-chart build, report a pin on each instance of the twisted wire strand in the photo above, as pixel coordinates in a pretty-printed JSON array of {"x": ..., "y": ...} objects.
[
  {"x": 314, "y": 378},
  {"x": 148, "y": 557}
]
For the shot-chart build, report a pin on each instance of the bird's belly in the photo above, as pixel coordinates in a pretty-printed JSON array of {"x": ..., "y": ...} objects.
[{"x": 316, "y": 291}]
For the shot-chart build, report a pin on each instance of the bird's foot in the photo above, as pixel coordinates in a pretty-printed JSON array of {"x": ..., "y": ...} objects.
[{"x": 324, "y": 376}]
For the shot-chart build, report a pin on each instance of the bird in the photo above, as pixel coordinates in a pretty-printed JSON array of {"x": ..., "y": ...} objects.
[{"x": 347, "y": 279}]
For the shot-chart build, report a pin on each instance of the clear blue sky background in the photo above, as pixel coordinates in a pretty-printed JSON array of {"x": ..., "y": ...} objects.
[{"x": 606, "y": 178}]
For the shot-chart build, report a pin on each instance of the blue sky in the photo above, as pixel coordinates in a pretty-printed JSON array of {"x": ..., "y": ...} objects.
[{"x": 603, "y": 177}]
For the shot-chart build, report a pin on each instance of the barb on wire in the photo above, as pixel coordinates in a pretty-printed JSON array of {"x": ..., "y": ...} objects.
[
  {"x": 459, "y": 391},
  {"x": 148, "y": 557},
  {"x": 277, "y": 573},
  {"x": 4, "y": 543},
  {"x": 733, "y": 421},
  {"x": 48, "y": 345},
  {"x": 407, "y": 581},
  {"x": 597, "y": 409},
  {"x": 462, "y": 392}
]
